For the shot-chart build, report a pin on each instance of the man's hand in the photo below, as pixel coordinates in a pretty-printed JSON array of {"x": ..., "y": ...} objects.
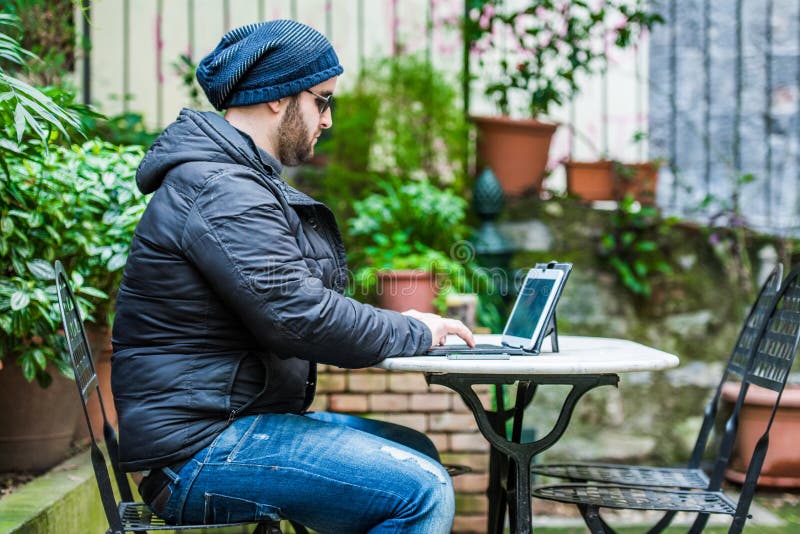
[{"x": 440, "y": 327}]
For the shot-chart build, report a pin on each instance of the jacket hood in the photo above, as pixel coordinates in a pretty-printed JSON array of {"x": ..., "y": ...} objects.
[{"x": 200, "y": 136}]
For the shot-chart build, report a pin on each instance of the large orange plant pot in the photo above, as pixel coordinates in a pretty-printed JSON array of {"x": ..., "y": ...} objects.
[
  {"x": 36, "y": 424},
  {"x": 404, "y": 290},
  {"x": 609, "y": 180},
  {"x": 638, "y": 180},
  {"x": 781, "y": 467},
  {"x": 516, "y": 151},
  {"x": 591, "y": 181}
]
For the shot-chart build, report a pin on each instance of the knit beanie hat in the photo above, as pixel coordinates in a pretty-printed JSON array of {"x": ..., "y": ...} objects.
[{"x": 264, "y": 62}]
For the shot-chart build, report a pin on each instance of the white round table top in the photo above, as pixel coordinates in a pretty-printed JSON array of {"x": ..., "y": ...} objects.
[{"x": 578, "y": 355}]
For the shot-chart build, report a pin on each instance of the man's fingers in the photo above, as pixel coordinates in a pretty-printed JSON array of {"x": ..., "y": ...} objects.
[{"x": 454, "y": 326}]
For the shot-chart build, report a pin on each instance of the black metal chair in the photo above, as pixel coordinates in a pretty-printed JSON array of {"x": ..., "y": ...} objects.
[
  {"x": 776, "y": 345},
  {"x": 125, "y": 516},
  {"x": 691, "y": 476}
]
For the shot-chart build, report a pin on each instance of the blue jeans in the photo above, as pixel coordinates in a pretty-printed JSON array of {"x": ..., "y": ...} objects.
[{"x": 330, "y": 472}]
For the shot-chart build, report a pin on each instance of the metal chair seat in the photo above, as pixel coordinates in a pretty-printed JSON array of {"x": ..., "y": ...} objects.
[
  {"x": 634, "y": 498},
  {"x": 629, "y": 475},
  {"x": 137, "y": 517}
]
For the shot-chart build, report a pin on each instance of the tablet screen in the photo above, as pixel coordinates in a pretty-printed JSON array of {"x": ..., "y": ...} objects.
[{"x": 531, "y": 304}]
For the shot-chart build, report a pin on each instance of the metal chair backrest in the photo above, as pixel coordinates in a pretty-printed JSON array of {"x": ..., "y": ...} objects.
[
  {"x": 86, "y": 381},
  {"x": 739, "y": 359},
  {"x": 137, "y": 517},
  {"x": 769, "y": 368}
]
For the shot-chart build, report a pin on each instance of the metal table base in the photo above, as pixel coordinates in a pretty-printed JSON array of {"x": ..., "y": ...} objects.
[{"x": 510, "y": 459}]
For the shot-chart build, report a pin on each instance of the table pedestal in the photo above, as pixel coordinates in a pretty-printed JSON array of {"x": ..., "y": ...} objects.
[{"x": 511, "y": 487}]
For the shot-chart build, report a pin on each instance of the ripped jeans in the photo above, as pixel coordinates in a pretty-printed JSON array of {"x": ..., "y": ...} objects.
[{"x": 330, "y": 472}]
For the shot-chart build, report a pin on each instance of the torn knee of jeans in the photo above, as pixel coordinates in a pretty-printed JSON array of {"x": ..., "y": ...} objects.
[{"x": 424, "y": 464}]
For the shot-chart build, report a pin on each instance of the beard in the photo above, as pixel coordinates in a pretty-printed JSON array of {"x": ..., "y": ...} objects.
[{"x": 295, "y": 145}]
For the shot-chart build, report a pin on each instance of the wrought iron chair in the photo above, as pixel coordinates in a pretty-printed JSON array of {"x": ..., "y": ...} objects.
[
  {"x": 125, "y": 516},
  {"x": 691, "y": 476},
  {"x": 775, "y": 349}
]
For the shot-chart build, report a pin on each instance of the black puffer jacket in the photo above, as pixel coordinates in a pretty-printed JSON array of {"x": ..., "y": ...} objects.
[{"x": 232, "y": 291}]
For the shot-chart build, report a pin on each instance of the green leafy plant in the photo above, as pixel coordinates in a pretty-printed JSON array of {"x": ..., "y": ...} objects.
[
  {"x": 417, "y": 225},
  {"x": 126, "y": 128},
  {"x": 632, "y": 246},
  {"x": 537, "y": 50},
  {"x": 48, "y": 28},
  {"x": 401, "y": 120},
  {"x": 185, "y": 68},
  {"x": 80, "y": 205},
  {"x": 419, "y": 210},
  {"x": 30, "y": 119}
]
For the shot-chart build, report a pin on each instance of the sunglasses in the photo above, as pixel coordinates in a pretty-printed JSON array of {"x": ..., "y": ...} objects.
[{"x": 323, "y": 102}]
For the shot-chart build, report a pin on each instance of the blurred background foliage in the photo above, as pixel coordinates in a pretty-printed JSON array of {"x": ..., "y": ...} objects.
[{"x": 58, "y": 200}]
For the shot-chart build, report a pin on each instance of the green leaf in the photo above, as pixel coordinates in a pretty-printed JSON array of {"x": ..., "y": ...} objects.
[
  {"x": 628, "y": 238},
  {"x": 41, "y": 269},
  {"x": 28, "y": 368},
  {"x": 117, "y": 262},
  {"x": 92, "y": 292},
  {"x": 646, "y": 246},
  {"x": 19, "y": 300},
  {"x": 44, "y": 379},
  {"x": 19, "y": 121},
  {"x": 40, "y": 358},
  {"x": 7, "y": 225},
  {"x": 77, "y": 279},
  {"x": 35, "y": 126}
]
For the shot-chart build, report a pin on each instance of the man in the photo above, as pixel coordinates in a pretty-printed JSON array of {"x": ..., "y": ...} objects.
[{"x": 233, "y": 292}]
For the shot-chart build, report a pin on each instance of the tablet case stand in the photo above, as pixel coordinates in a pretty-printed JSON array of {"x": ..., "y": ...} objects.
[{"x": 552, "y": 329}]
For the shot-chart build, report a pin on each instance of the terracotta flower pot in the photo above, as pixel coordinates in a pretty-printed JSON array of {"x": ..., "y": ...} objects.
[
  {"x": 36, "y": 424},
  {"x": 406, "y": 289},
  {"x": 639, "y": 181},
  {"x": 782, "y": 465},
  {"x": 100, "y": 343},
  {"x": 590, "y": 181},
  {"x": 515, "y": 150},
  {"x": 609, "y": 180}
]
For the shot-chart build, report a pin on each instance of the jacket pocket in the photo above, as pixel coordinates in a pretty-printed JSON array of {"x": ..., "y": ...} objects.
[{"x": 226, "y": 509}]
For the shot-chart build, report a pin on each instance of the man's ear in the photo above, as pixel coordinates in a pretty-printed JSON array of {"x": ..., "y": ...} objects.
[{"x": 276, "y": 106}]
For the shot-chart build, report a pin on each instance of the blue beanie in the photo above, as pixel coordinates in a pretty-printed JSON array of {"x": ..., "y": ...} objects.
[{"x": 265, "y": 62}]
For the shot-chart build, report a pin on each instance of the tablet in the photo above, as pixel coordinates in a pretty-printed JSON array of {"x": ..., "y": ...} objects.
[{"x": 532, "y": 308}]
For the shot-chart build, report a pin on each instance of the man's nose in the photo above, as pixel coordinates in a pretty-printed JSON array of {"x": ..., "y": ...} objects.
[{"x": 326, "y": 119}]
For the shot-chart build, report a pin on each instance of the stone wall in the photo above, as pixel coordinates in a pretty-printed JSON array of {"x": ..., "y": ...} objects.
[{"x": 723, "y": 89}]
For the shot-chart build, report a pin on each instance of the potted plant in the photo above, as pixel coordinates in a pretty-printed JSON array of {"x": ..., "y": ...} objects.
[
  {"x": 77, "y": 204},
  {"x": 612, "y": 179},
  {"x": 399, "y": 238},
  {"x": 591, "y": 180},
  {"x": 51, "y": 207},
  {"x": 781, "y": 467},
  {"x": 532, "y": 57}
]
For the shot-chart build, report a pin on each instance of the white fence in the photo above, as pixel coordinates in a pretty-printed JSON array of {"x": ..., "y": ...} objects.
[{"x": 135, "y": 44}]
